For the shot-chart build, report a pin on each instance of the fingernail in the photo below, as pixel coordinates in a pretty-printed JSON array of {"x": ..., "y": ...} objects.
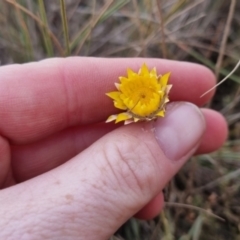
[{"x": 180, "y": 130}]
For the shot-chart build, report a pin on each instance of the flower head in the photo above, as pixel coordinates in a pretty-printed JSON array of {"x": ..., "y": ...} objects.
[{"x": 141, "y": 95}]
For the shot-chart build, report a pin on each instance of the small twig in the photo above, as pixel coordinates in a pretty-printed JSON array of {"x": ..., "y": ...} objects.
[
  {"x": 174, "y": 204},
  {"x": 225, "y": 37},
  {"x": 235, "y": 68}
]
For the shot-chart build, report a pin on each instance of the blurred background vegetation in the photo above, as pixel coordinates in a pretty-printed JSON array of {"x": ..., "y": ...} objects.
[{"x": 203, "y": 31}]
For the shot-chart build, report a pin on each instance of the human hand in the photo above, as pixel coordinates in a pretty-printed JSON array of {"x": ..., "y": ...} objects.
[{"x": 85, "y": 178}]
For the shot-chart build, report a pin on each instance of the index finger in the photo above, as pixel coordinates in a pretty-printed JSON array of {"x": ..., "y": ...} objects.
[{"x": 38, "y": 99}]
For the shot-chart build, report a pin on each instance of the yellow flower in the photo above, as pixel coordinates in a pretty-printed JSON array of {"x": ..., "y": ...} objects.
[{"x": 142, "y": 95}]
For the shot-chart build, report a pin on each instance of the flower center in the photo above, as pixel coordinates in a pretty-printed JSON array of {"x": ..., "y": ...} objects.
[
  {"x": 144, "y": 101},
  {"x": 142, "y": 96}
]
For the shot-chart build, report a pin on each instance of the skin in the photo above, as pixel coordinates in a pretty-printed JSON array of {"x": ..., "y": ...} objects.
[{"x": 52, "y": 121}]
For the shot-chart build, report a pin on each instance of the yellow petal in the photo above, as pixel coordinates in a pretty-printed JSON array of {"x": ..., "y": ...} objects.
[
  {"x": 114, "y": 95},
  {"x": 130, "y": 73},
  {"x": 153, "y": 72},
  {"x": 123, "y": 79},
  {"x": 117, "y": 85},
  {"x": 123, "y": 117},
  {"x": 166, "y": 100},
  {"x": 111, "y": 118},
  {"x": 120, "y": 105},
  {"x": 144, "y": 70},
  {"x": 135, "y": 119},
  {"x": 160, "y": 113},
  {"x": 164, "y": 79},
  {"x": 168, "y": 88}
]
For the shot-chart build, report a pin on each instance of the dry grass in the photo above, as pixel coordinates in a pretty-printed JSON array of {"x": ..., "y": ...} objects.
[{"x": 199, "y": 31}]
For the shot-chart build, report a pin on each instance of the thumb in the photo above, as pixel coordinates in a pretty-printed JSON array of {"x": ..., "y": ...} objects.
[{"x": 94, "y": 193}]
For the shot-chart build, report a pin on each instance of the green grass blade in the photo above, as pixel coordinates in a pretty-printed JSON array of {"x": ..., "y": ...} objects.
[
  {"x": 24, "y": 34},
  {"x": 46, "y": 37},
  {"x": 65, "y": 26},
  {"x": 116, "y": 6}
]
